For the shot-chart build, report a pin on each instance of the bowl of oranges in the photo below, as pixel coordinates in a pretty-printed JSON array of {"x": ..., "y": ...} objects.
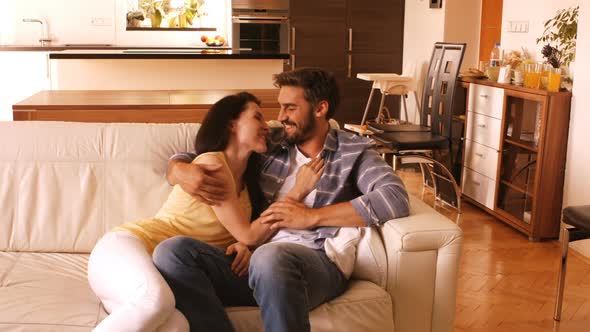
[{"x": 213, "y": 41}]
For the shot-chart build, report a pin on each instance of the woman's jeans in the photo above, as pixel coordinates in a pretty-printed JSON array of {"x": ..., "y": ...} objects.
[{"x": 287, "y": 281}]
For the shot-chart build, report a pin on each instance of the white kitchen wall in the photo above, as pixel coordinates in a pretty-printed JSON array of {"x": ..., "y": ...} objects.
[
  {"x": 463, "y": 25},
  {"x": 457, "y": 21},
  {"x": 577, "y": 178},
  {"x": 423, "y": 27},
  {"x": 69, "y": 22},
  {"x": 534, "y": 12}
]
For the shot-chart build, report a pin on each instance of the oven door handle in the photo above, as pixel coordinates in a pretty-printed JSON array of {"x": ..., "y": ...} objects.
[{"x": 263, "y": 20}]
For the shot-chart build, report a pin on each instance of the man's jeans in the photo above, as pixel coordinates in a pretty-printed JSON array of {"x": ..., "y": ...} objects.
[
  {"x": 202, "y": 281},
  {"x": 288, "y": 281}
]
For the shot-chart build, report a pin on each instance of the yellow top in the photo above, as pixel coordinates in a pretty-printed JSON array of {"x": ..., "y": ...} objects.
[{"x": 182, "y": 214}]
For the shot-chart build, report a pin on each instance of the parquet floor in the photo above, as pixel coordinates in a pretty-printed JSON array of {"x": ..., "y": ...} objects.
[{"x": 507, "y": 283}]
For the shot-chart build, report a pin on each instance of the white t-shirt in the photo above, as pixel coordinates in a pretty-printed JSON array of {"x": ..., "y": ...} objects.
[{"x": 299, "y": 160}]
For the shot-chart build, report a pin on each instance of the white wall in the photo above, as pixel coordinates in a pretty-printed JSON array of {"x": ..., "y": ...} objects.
[
  {"x": 535, "y": 12},
  {"x": 156, "y": 74},
  {"x": 69, "y": 22},
  {"x": 457, "y": 21},
  {"x": 577, "y": 178},
  {"x": 463, "y": 25},
  {"x": 423, "y": 27}
]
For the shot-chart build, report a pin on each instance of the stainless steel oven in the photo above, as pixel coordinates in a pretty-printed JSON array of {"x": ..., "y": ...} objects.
[{"x": 261, "y": 25}]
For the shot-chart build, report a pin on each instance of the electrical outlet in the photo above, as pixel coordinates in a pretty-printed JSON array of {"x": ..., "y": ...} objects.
[
  {"x": 101, "y": 21},
  {"x": 518, "y": 26}
]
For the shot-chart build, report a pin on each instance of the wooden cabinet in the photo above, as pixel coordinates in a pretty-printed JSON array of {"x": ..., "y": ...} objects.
[
  {"x": 318, "y": 35},
  {"x": 515, "y": 152},
  {"x": 149, "y": 106},
  {"x": 349, "y": 37}
]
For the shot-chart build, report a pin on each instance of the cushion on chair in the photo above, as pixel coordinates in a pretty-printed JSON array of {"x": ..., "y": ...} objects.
[
  {"x": 387, "y": 127},
  {"x": 408, "y": 140},
  {"x": 578, "y": 216}
]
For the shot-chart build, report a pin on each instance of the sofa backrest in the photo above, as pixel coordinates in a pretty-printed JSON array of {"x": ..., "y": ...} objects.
[{"x": 63, "y": 185}]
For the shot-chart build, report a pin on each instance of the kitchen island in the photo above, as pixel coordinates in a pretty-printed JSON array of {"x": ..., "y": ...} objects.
[
  {"x": 157, "y": 69},
  {"x": 152, "y": 106}
]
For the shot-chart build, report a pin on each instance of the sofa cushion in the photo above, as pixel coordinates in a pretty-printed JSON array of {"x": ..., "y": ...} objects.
[
  {"x": 40, "y": 290},
  {"x": 48, "y": 292}
]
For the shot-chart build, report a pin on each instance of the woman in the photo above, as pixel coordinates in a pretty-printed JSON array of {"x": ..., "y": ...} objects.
[{"x": 120, "y": 269}]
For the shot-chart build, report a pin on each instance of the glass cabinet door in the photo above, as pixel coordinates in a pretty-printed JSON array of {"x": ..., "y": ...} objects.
[{"x": 523, "y": 120}]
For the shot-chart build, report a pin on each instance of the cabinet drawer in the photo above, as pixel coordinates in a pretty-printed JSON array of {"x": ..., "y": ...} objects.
[
  {"x": 486, "y": 100},
  {"x": 481, "y": 159},
  {"x": 483, "y": 130},
  {"x": 479, "y": 187}
]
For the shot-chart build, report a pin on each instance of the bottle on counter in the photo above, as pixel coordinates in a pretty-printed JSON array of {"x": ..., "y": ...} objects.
[{"x": 495, "y": 56}]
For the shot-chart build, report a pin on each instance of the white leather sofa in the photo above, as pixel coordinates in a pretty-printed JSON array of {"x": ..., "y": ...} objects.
[{"x": 63, "y": 185}]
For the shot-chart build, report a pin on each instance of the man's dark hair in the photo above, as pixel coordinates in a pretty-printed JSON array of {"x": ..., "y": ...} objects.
[
  {"x": 317, "y": 84},
  {"x": 214, "y": 134}
]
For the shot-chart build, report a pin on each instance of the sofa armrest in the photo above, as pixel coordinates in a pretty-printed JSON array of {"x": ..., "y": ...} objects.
[{"x": 423, "y": 252}]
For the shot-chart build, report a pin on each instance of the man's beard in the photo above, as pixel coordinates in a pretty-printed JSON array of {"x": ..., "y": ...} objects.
[{"x": 301, "y": 134}]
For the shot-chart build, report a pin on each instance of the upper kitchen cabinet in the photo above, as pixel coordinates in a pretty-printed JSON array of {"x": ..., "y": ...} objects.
[
  {"x": 376, "y": 26},
  {"x": 318, "y": 35},
  {"x": 349, "y": 37}
]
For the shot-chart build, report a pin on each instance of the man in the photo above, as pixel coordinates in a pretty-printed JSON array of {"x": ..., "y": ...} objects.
[{"x": 291, "y": 274}]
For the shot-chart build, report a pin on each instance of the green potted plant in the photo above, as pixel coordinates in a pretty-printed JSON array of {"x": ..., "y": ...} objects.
[
  {"x": 561, "y": 31},
  {"x": 153, "y": 10},
  {"x": 193, "y": 9}
]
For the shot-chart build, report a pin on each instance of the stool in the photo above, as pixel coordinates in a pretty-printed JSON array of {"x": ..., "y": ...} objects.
[
  {"x": 579, "y": 217},
  {"x": 390, "y": 84}
]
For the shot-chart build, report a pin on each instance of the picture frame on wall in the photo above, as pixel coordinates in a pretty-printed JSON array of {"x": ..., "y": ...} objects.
[{"x": 436, "y": 3}]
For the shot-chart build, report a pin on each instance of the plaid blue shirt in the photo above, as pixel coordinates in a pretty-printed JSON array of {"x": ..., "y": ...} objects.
[{"x": 354, "y": 172}]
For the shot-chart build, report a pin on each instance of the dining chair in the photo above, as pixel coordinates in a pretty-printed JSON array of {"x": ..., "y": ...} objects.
[
  {"x": 576, "y": 226},
  {"x": 430, "y": 142}
]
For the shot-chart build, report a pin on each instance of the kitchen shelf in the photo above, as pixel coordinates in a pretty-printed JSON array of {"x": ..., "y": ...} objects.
[
  {"x": 516, "y": 188},
  {"x": 529, "y": 146},
  {"x": 168, "y": 29}
]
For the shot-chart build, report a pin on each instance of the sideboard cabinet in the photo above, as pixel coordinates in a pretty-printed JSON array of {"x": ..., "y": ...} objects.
[{"x": 515, "y": 152}]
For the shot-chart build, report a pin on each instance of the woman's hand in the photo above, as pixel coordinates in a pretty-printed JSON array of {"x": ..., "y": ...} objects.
[
  {"x": 307, "y": 178},
  {"x": 241, "y": 262}
]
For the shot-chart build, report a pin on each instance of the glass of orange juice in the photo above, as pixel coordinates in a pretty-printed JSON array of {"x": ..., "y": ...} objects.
[
  {"x": 532, "y": 75},
  {"x": 535, "y": 75},
  {"x": 554, "y": 79},
  {"x": 545, "y": 68}
]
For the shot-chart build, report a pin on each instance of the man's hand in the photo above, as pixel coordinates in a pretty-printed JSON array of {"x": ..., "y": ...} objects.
[
  {"x": 289, "y": 214},
  {"x": 307, "y": 178},
  {"x": 241, "y": 262},
  {"x": 203, "y": 182}
]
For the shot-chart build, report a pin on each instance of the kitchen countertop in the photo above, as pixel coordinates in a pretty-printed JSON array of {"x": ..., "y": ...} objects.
[
  {"x": 164, "y": 53},
  {"x": 63, "y": 47},
  {"x": 157, "y": 106},
  {"x": 139, "y": 99},
  {"x": 105, "y": 51}
]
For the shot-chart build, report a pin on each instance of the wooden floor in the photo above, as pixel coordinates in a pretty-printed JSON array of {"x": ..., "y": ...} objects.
[{"x": 507, "y": 283}]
